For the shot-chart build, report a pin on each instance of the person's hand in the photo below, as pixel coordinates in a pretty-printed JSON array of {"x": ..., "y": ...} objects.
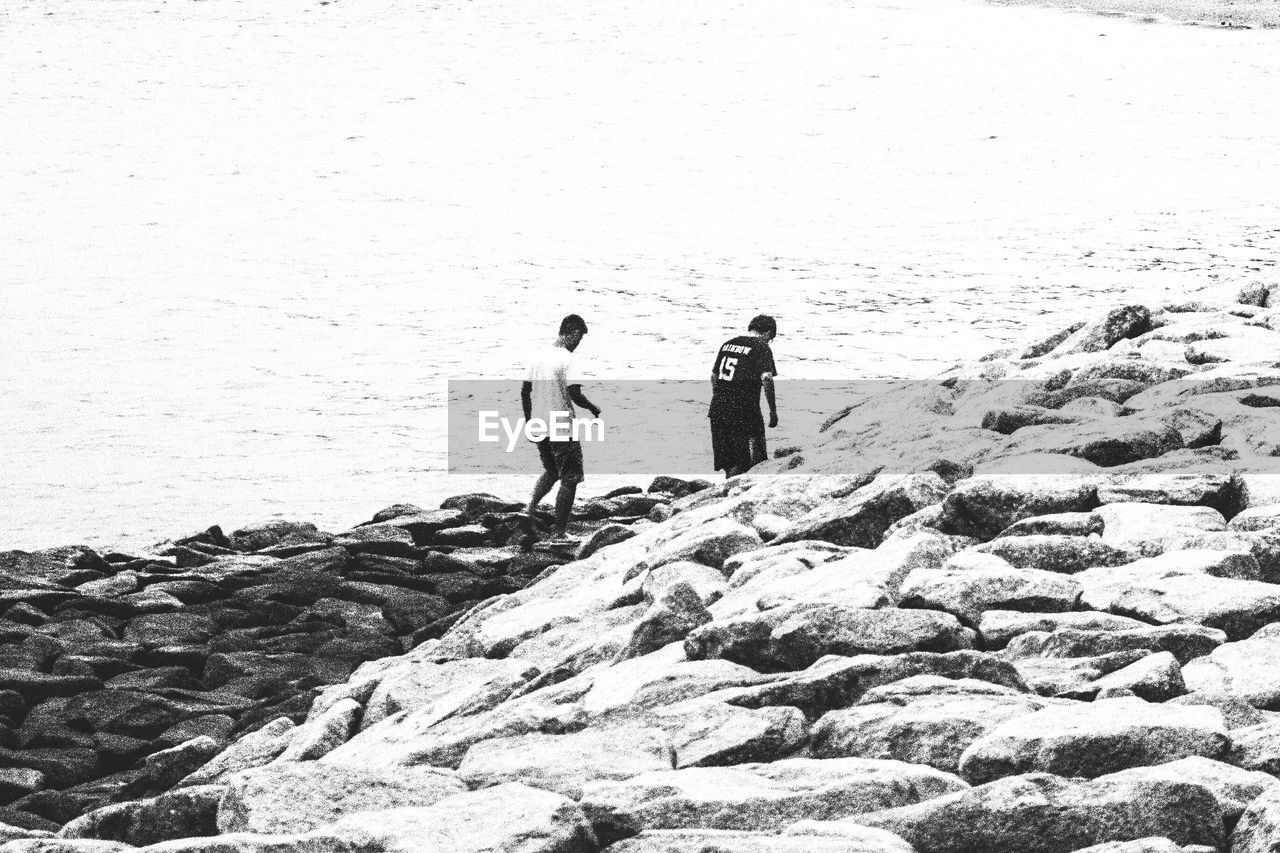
[
  {"x": 595, "y": 413},
  {"x": 773, "y": 420}
]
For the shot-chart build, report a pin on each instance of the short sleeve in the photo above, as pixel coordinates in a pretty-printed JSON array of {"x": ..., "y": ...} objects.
[{"x": 767, "y": 365}]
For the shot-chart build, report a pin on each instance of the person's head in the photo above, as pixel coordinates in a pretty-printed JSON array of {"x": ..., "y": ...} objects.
[
  {"x": 764, "y": 326},
  {"x": 572, "y": 328}
]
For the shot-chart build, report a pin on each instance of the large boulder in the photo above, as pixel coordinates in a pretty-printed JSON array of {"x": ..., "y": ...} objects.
[
  {"x": 970, "y": 584},
  {"x": 1104, "y": 332},
  {"x": 564, "y": 763},
  {"x": 1185, "y": 642},
  {"x": 1233, "y": 787},
  {"x": 1236, "y": 607},
  {"x": 764, "y": 797},
  {"x": 984, "y": 506},
  {"x": 663, "y": 677},
  {"x": 297, "y": 797},
  {"x": 252, "y": 750},
  {"x": 998, "y": 627},
  {"x": 512, "y": 818},
  {"x": 440, "y": 690},
  {"x": 1246, "y": 668},
  {"x": 862, "y": 518},
  {"x": 1055, "y": 553},
  {"x": 1043, "y": 813},
  {"x": 1093, "y": 739},
  {"x": 855, "y": 839},
  {"x": 790, "y": 638},
  {"x": 178, "y": 814},
  {"x": 1105, "y": 443},
  {"x": 1258, "y": 830},
  {"x": 420, "y": 737},
  {"x": 1150, "y": 528},
  {"x": 921, "y": 729}
]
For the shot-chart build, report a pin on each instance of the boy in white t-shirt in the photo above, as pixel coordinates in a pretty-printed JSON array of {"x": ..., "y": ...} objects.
[{"x": 550, "y": 388}]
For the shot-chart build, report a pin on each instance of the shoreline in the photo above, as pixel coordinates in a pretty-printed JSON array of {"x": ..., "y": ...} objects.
[
  {"x": 1226, "y": 14},
  {"x": 780, "y": 628}
]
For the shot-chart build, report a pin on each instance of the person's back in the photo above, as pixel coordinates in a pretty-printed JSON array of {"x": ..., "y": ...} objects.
[
  {"x": 737, "y": 370},
  {"x": 742, "y": 367}
]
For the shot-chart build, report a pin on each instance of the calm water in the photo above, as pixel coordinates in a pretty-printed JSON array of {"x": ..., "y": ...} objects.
[{"x": 245, "y": 243}]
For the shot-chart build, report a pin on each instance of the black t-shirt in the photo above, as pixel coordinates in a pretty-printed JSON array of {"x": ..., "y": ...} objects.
[{"x": 738, "y": 367}]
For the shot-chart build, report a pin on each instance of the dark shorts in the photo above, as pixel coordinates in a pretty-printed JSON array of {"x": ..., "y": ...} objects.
[
  {"x": 737, "y": 439},
  {"x": 562, "y": 458}
]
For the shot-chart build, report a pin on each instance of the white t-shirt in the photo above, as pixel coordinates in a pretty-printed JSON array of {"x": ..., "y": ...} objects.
[{"x": 550, "y": 372}]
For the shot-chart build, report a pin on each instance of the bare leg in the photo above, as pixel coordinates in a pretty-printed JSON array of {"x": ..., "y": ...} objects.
[
  {"x": 564, "y": 505},
  {"x": 540, "y": 490}
]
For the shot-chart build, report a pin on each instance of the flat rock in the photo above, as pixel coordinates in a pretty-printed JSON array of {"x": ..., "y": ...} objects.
[
  {"x": 1154, "y": 678},
  {"x": 440, "y": 690},
  {"x": 251, "y": 750},
  {"x": 420, "y": 737},
  {"x": 1256, "y": 747},
  {"x": 1056, "y": 524},
  {"x": 708, "y": 732},
  {"x": 1149, "y": 528},
  {"x": 564, "y": 763},
  {"x": 1184, "y": 477},
  {"x": 297, "y": 797},
  {"x": 510, "y": 817},
  {"x": 1246, "y": 668},
  {"x": 1094, "y": 739},
  {"x": 932, "y": 730},
  {"x": 862, "y": 518},
  {"x": 762, "y": 797},
  {"x": 1256, "y": 518},
  {"x": 1106, "y": 443},
  {"x": 1073, "y": 676},
  {"x": 1237, "y": 607},
  {"x": 970, "y": 584},
  {"x": 1055, "y": 553},
  {"x": 663, "y": 677},
  {"x": 854, "y": 839},
  {"x": 177, "y": 814},
  {"x": 1233, "y": 787},
  {"x": 710, "y": 543},
  {"x": 791, "y": 638},
  {"x": 998, "y": 627},
  {"x": 1258, "y": 830},
  {"x": 1043, "y": 813},
  {"x": 984, "y": 506},
  {"x": 708, "y": 583},
  {"x": 1185, "y": 642}
]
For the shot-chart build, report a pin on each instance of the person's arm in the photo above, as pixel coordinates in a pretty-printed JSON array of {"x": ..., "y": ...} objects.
[
  {"x": 526, "y": 399},
  {"x": 766, "y": 380},
  {"x": 576, "y": 395}
]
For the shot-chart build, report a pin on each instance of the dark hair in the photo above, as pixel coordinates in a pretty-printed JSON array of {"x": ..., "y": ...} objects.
[
  {"x": 763, "y": 323},
  {"x": 573, "y": 323}
]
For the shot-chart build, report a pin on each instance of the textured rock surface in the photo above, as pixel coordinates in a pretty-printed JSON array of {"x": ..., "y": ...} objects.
[{"x": 1064, "y": 582}]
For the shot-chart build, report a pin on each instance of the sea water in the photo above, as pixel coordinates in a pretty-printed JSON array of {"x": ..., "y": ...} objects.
[{"x": 244, "y": 244}]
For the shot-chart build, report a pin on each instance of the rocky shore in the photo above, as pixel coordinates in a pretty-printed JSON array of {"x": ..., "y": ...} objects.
[{"x": 1032, "y": 606}]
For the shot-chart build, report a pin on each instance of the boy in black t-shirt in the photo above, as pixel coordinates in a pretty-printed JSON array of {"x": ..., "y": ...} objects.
[{"x": 742, "y": 367}]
